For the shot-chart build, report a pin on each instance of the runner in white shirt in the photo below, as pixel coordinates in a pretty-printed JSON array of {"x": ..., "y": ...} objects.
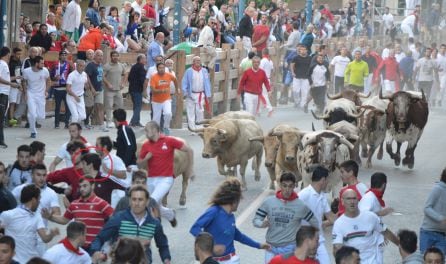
[
  {"x": 315, "y": 199},
  {"x": 360, "y": 229},
  {"x": 338, "y": 65},
  {"x": 74, "y": 129},
  {"x": 25, "y": 225},
  {"x": 441, "y": 62},
  {"x": 387, "y": 21},
  {"x": 70, "y": 250},
  {"x": 75, "y": 90},
  {"x": 36, "y": 84},
  {"x": 267, "y": 65}
]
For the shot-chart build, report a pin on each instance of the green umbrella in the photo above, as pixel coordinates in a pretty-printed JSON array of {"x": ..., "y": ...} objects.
[{"x": 186, "y": 46}]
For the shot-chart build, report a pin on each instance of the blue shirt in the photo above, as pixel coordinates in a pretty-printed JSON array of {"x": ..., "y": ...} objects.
[
  {"x": 406, "y": 66},
  {"x": 221, "y": 226}
]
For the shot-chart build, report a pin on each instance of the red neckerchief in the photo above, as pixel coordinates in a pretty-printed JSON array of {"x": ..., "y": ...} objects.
[
  {"x": 196, "y": 68},
  {"x": 67, "y": 244},
  {"x": 289, "y": 199},
  {"x": 84, "y": 140},
  {"x": 379, "y": 195},
  {"x": 123, "y": 123}
]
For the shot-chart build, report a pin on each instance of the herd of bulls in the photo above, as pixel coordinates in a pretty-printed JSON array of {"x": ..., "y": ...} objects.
[{"x": 351, "y": 120}]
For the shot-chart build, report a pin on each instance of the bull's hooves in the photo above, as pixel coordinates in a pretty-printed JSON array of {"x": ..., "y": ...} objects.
[
  {"x": 257, "y": 178},
  {"x": 182, "y": 203},
  {"x": 364, "y": 154},
  {"x": 368, "y": 165},
  {"x": 411, "y": 165}
]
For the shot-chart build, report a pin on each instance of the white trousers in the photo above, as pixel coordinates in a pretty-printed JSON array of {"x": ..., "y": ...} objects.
[
  {"x": 440, "y": 94},
  {"x": 251, "y": 102},
  {"x": 269, "y": 107},
  {"x": 158, "y": 188},
  {"x": 233, "y": 260},
  {"x": 195, "y": 109},
  {"x": 407, "y": 30},
  {"x": 301, "y": 87},
  {"x": 164, "y": 108},
  {"x": 36, "y": 109},
  {"x": 389, "y": 87},
  {"x": 247, "y": 45},
  {"x": 77, "y": 109},
  {"x": 368, "y": 83}
]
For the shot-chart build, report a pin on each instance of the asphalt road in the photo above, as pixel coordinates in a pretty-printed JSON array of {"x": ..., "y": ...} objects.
[{"x": 406, "y": 192}]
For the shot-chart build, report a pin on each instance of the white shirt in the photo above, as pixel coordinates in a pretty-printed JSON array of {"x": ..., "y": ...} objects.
[
  {"x": 36, "y": 81},
  {"x": 370, "y": 203},
  {"x": 206, "y": 37},
  {"x": 340, "y": 63},
  {"x": 318, "y": 204},
  {"x": 58, "y": 254},
  {"x": 409, "y": 21},
  {"x": 426, "y": 69},
  {"x": 72, "y": 17},
  {"x": 48, "y": 199},
  {"x": 388, "y": 20},
  {"x": 137, "y": 7},
  {"x": 399, "y": 56},
  {"x": 118, "y": 165},
  {"x": 441, "y": 63},
  {"x": 22, "y": 225},
  {"x": 197, "y": 77},
  {"x": 318, "y": 76},
  {"x": 4, "y": 74},
  {"x": 293, "y": 40},
  {"x": 77, "y": 81},
  {"x": 385, "y": 53},
  {"x": 268, "y": 66},
  {"x": 362, "y": 233}
]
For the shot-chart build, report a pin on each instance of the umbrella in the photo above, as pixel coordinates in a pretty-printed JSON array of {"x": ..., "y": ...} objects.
[{"x": 186, "y": 46}]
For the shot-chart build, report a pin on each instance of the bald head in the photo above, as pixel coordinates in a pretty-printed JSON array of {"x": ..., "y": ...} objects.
[
  {"x": 160, "y": 37},
  {"x": 349, "y": 194}
]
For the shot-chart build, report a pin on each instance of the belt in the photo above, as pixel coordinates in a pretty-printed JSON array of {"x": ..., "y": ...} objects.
[{"x": 225, "y": 257}]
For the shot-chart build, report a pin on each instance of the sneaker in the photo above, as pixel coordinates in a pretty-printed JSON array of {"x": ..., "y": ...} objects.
[
  {"x": 88, "y": 127},
  {"x": 27, "y": 125},
  {"x": 12, "y": 122},
  {"x": 33, "y": 135},
  {"x": 305, "y": 108},
  {"x": 270, "y": 113},
  {"x": 166, "y": 131},
  {"x": 56, "y": 127},
  {"x": 3, "y": 145},
  {"x": 66, "y": 126},
  {"x": 110, "y": 125},
  {"x": 174, "y": 222},
  {"x": 105, "y": 129}
]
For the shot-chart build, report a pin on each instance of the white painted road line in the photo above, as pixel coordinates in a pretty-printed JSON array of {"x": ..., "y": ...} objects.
[{"x": 254, "y": 205}]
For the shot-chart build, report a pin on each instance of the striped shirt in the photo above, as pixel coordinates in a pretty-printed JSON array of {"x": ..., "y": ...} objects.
[{"x": 92, "y": 212}]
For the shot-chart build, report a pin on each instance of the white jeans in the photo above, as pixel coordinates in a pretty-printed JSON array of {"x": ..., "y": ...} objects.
[
  {"x": 269, "y": 107},
  {"x": 389, "y": 87},
  {"x": 36, "y": 109},
  {"x": 247, "y": 45},
  {"x": 251, "y": 102},
  {"x": 158, "y": 188},
  {"x": 195, "y": 109},
  {"x": 440, "y": 94},
  {"x": 407, "y": 30},
  {"x": 77, "y": 109},
  {"x": 166, "y": 109},
  {"x": 301, "y": 87},
  {"x": 368, "y": 83}
]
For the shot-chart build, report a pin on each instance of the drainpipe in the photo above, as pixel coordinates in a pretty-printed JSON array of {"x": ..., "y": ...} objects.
[
  {"x": 3, "y": 24},
  {"x": 309, "y": 12},
  {"x": 359, "y": 17},
  {"x": 177, "y": 23}
]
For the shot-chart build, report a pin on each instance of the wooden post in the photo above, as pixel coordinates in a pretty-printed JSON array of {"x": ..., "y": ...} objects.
[
  {"x": 224, "y": 85},
  {"x": 235, "y": 103},
  {"x": 275, "y": 79},
  {"x": 179, "y": 64}
]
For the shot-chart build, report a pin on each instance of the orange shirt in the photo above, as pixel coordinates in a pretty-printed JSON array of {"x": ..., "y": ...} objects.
[{"x": 158, "y": 82}]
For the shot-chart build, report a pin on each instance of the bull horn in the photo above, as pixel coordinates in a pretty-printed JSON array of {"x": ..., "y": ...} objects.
[
  {"x": 334, "y": 97},
  {"x": 353, "y": 137},
  {"x": 318, "y": 117},
  {"x": 199, "y": 130},
  {"x": 277, "y": 134},
  {"x": 312, "y": 126},
  {"x": 357, "y": 115},
  {"x": 384, "y": 97},
  {"x": 221, "y": 131},
  {"x": 203, "y": 122},
  {"x": 258, "y": 138},
  {"x": 362, "y": 95},
  {"x": 344, "y": 141},
  {"x": 423, "y": 96}
]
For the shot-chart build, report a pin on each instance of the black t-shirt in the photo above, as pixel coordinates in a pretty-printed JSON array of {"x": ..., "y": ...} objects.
[
  {"x": 301, "y": 66},
  {"x": 13, "y": 64},
  {"x": 95, "y": 72},
  {"x": 210, "y": 260},
  {"x": 7, "y": 200}
]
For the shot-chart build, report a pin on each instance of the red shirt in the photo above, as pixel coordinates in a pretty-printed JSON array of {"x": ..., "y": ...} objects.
[
  {"x": 92, "y": 212},
  {"x": 252, "y": 81},
  {"x": 70, "y": 177},
  {"x": 150, "y": 11},
  {"x": 291, "y": 260},
  {"x": 391, "y": 69},
  {"x": 259, "y": 31},
  {"x": 341, "y": 208},
  {"x": 161, "y": 163}
]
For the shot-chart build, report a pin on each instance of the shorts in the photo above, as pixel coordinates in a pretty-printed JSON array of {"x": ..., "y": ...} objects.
[
  {"x": 99, "y": 97},
  {"x": 15, "y": 95}
]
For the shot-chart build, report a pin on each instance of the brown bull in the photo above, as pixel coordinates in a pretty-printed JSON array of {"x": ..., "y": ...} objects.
[
  {"x": 407, "y": 115},
  {"x": 372, "y": 127},
  {"x": 351, "y": 95},
  {"x": 228, "y": 141},
  {"x": 227, "y": 115},
  {"x": 181, "y": 167}
]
